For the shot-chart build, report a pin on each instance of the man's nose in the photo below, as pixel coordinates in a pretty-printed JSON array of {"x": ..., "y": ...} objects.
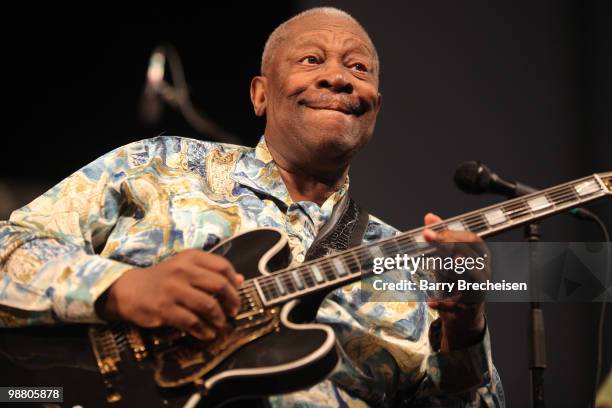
[{"x": 335, "y": 79}]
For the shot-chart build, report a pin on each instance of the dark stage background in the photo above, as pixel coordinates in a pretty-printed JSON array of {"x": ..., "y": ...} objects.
[{"x": 523, "y": 86}]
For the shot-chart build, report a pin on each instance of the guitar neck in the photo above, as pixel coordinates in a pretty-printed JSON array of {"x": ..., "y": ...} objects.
[{"x": 350, "y": 265}]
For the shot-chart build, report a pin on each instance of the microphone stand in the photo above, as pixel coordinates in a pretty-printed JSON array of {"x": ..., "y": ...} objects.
[{"x": 537, "y": 345}]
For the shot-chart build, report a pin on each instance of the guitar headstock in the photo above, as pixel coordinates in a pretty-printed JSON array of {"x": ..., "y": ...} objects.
[{"x": 606, "y": 179}]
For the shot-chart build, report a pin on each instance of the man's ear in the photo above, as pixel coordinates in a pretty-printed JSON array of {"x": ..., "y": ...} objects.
[
  {"x": 259, "y": 90},
  {"x": 379, "y": 102}
]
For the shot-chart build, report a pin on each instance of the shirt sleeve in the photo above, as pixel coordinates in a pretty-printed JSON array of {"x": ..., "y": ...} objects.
[
  {"x": 50, "y": 269},
  {"x": 390, "y": 351}
]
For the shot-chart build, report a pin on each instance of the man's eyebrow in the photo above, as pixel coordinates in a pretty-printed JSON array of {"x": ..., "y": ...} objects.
[
  {"x": 354, "y": 44},
  {"x": 358, "y": 46}
]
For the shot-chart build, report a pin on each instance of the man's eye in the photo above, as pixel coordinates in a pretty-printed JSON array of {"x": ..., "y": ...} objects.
[
  {"x": 309, "y": 60},
  {"x": 360, "y": 67}
]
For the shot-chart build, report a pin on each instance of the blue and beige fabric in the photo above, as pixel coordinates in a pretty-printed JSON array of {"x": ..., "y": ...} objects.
[{"x": 146, "y": 201}]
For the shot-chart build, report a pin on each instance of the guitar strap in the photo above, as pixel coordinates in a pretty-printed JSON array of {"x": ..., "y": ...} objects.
[{"x": 345, "y": 229}]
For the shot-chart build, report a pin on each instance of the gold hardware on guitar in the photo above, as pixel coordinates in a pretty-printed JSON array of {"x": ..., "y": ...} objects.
[
  {"x": 136, "y": 344},
  {"x": 107, "y": 353},
  {"x": 192, "y": 359},
  {"x": 179, "y": 359}
]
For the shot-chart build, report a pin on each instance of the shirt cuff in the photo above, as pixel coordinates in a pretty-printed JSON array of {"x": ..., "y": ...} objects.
[
  {"x": 82, "y": 281},
  {"x": 459, "y": 371}
]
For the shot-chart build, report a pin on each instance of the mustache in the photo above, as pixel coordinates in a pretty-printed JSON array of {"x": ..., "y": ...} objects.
[{"x": 350, "y": 105}]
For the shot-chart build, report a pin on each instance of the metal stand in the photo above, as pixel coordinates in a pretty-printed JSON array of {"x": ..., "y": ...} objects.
[{"x": 537, "y": 345}]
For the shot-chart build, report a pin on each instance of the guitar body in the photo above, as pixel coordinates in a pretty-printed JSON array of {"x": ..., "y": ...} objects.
[{"x": 268, "y": 351}]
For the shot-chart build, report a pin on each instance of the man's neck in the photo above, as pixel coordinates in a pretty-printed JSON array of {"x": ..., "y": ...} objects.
[{"x": 305, "y": 185}]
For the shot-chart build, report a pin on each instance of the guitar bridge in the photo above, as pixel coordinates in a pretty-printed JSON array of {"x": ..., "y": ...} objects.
[
  {"x": 250, "y": 306},
  {"x": 107, "y": 345}
]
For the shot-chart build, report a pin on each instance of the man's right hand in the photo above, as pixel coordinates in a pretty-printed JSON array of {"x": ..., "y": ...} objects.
[{"x": 192, "y": 291}]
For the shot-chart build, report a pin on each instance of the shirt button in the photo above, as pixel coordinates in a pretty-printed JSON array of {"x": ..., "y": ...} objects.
[{"x": 300, "y": 258}]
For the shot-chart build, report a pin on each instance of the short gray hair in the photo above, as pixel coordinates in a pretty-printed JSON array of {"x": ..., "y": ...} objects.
[{"x": 277, "y": 36}]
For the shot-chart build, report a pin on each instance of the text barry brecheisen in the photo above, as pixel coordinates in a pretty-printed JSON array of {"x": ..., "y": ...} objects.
[
  {"x": 460, "y": 284},
  {"x": 458, "y": 265}
]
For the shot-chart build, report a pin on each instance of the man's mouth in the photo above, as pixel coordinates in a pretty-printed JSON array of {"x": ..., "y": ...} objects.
[
  {"x": 342, "y": 105},
  {"x": 331, "y": 108}
]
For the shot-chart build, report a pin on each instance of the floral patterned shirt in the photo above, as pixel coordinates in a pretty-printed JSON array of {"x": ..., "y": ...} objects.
[{"x": 146, "y": 201}]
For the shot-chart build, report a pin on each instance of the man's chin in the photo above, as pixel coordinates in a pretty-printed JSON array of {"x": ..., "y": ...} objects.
[
  {"x": 335, "y": 143},
  {"x": 333, "y": 136}
]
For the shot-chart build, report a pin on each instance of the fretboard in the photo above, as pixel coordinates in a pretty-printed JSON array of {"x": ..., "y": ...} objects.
[{"x": 350, "y": 265}]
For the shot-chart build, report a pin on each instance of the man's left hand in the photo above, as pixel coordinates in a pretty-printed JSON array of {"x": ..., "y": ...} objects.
[{"x": 463, "y": 323}]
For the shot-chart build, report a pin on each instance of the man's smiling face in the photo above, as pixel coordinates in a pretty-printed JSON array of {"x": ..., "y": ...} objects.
[{"x": 321, "y": 92}]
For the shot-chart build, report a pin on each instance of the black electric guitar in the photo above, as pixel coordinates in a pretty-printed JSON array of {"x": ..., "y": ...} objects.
[{"x": 271, "y": 347}]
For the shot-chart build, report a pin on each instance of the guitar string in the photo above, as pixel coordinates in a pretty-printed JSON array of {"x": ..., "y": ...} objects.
[
  {"x": 325, "y": 266},
  {"x": 471, "y": 222},
  {"x": 287, "y": 278},
  {"x": 270, "y": 282},
  {"x": 476, "y": 219},
  {"x": 558, "y": 195},
  {"x": 285, "y": 281}
]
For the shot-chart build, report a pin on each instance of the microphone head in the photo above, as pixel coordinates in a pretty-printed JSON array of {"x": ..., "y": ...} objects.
[
  {"x": 473, "y": 177},
  {"x": 157, "y": 69}
]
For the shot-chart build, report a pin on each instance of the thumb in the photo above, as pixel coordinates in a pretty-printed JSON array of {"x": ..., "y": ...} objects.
[{"x": 431, "y": 218}]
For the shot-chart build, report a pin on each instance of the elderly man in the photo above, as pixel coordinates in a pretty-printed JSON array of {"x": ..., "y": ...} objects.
[{"x": 121, "y": 238}]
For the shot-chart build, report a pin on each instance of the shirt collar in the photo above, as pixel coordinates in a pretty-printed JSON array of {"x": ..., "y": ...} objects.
[{"x": 256, "y": 169}]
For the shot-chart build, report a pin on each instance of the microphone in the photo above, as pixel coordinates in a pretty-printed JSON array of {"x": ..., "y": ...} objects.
[
  {"x": 151, "y": 105},
  {"x": 473, "y": 177}
]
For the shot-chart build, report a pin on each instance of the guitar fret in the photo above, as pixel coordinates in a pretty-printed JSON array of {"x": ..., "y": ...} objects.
[
  {"x": 438, "y": 227},
  {"x": 353, "y": 263},
  {"x": 476, "y": 223},
  {"x": 307, "y": 277},
  {"x": 329, "y": 273},
  {"x": 270, "y": 291},
  {"x": 390, "y": 248},
  {"x": 563, "y": 196},
  {"x": 366, "y": 257},
  {"x": 287, "y": 280},
  {"x": 516, "y": 210}
]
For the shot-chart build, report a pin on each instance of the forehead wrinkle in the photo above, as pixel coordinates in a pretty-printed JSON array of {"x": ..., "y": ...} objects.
[
  {"x": 323, "y": 33},
  {"x": 310, "y": 38}
]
